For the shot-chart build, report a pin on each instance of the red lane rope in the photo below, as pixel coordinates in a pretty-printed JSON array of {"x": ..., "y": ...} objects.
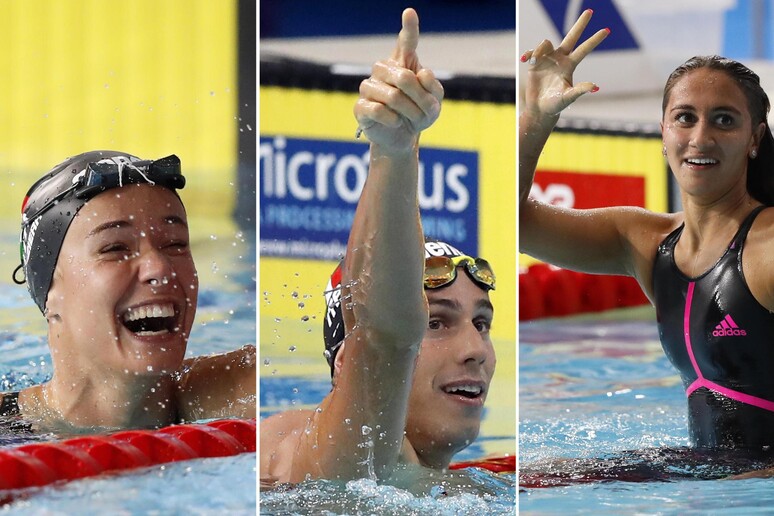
[
  {"x": 505, "y": 464},
  {"x": 40, "y": 464}
]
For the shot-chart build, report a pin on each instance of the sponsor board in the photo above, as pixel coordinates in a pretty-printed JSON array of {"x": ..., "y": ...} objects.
[{"x": 309, "y": 190}]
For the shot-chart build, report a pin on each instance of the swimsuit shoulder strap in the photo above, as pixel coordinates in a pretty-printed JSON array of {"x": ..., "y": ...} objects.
[
  {"x": 9, "y": 404},
  {"x": 744, "y": 228},
  {"x": 667, "y": 246}
]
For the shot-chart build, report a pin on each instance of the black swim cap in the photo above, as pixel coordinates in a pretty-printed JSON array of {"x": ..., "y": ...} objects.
[
  {"x": 52, "y": 202},
  {"x": 333, "y": 323}
]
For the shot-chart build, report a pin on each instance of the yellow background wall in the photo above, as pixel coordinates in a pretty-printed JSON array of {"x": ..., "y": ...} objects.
[
  {"x": 150, "y": 77},
  {"x": 613, "y": 155},
  {"x": 489, "y": 129}
]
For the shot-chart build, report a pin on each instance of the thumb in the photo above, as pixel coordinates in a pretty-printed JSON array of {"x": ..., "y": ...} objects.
[
  {"x": 572, "y": 94},
  {"x": 405, "y": 52}
]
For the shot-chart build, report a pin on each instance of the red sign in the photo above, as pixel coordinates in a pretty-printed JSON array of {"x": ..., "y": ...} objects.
[{"x": 587, "y": 190}]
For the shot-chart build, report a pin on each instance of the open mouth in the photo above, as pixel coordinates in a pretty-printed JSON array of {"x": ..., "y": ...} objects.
[
  {"x": 469, "y": 391},
  {"x": 151, "y": 320}
]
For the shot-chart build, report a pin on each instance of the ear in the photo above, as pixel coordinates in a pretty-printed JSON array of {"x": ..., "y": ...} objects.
[
  {"x": 55, "y": 298},
  {"x": 338, "y": 361},
  {"x": 758, "y": 134}
]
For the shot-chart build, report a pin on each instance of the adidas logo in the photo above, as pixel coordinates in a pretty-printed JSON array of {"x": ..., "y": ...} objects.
[{"x": 728, "y": 328}]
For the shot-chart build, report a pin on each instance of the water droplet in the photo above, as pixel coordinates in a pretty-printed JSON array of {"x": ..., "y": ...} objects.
[
  {"x": 305, "y": 318},
  {"x": 292, "y": 349}
]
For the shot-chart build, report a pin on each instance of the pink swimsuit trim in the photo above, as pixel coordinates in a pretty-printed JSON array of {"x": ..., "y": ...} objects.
[{"x": 703, "y": 382}]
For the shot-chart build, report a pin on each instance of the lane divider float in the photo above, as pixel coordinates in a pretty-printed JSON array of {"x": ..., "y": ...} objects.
[{"x": 40, "y": 464}]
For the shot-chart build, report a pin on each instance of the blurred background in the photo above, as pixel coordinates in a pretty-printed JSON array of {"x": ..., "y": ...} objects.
[
  {"x": 312, "y": 60},
  {"x": 148, "y": 77},
  {"x": 607, "y": 147}
]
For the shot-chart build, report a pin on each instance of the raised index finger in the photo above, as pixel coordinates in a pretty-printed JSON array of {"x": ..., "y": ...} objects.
[{"x": 405, "y": 53}]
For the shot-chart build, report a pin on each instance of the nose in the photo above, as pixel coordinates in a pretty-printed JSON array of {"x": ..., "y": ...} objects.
[
  {"x": 472, "y": 346},
  {"x": 702, "y": 137},
  {"x": 155, "y": 267}
]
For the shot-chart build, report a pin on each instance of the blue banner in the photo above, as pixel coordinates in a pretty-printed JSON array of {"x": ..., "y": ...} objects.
[{"x": 308, "y": 191}]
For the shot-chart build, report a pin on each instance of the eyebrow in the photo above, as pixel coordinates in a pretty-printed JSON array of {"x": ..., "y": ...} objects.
[
  {"x": 481, "y": 304},
  {"x": 118, "y": 224},
  {"x": 693, "y": 108}
]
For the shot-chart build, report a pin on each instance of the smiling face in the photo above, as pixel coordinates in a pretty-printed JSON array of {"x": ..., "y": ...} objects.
[
  {"x": 123, "y": 298},
  {"x": 455, "y": 366},
  {"x": 708, "y": 134}
]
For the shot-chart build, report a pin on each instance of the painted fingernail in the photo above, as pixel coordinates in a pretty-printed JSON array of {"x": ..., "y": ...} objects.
[
  {"x": 595, "y": 89},
  {"x": 607, "y": 29},
  {"x": 532, "y": 60},
  {"x": 524, "y": 57},
  {"x": 590, "y": 11}
]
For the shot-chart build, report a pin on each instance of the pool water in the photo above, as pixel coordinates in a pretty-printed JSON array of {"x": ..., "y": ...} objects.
[
  {"x": 596, "y": 387},
  {"x": 225, "y": 320},
  {"x": 294, "y": 375}
]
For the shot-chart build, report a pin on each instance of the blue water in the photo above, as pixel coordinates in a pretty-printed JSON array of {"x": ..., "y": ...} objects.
[
  {"x": 225, "y": 320},
  {"x": 472, "y": 491},
  {"x": 600, "y": 386}
]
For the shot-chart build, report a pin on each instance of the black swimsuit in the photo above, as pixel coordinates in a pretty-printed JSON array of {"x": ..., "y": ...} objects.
[
  {"x": 9, "y": 404},
  {"x": 721, "y": 340}
]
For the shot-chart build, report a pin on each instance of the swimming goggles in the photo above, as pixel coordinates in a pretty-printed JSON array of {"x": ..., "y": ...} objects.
[
  {"x": 442, "y": 270},
  {"x": 104, "y": 175}
]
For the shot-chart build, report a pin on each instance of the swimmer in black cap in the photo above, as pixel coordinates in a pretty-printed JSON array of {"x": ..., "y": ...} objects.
[
  {"x": 392, "y": 404},
  {"x": 105, "y": 255},
  {"x": 708, "y": 268}
]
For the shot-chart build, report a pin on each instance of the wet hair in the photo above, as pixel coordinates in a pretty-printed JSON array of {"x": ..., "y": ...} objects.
[{"x": 760, "y": 179}]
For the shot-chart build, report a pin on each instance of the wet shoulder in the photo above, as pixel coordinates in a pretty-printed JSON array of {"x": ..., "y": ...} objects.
[
  {"x": 643, "y": 231},
  {"x": 279, "y": 435}
]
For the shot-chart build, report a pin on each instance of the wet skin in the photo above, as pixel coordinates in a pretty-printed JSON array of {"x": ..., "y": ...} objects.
[
  {"x": 708, "y": 135},
  {"x": 453, "y": 372},
  {"x": 126, "y": 250}
]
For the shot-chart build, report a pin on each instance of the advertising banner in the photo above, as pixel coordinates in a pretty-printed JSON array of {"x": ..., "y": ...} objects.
[{"x": 309, "y": 191}]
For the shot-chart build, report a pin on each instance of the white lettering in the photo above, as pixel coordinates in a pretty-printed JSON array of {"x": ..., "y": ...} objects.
[
  {"x": 304, "y": 175},
  {"x": 454, "y": 174},
  {"x": 296, "y": 161},
  {"x": 349, "y": 162},
  {"x": 434, "y": 201},
  {"x": 323, "y": 164},
  {"x": 556, "y": 194}
]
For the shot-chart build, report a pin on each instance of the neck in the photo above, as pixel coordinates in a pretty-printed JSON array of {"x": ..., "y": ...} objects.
[
  {"x": 430, "y": 456},
  {"x": 705, "y": 220},
  {"x": 85, "y": 402}
]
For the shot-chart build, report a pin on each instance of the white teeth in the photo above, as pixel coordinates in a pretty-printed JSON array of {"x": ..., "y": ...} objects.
[
  {"x": 143, "y": 312},
  {"x": 702, "y": 161},
  {"x": 472, "y": 389}
]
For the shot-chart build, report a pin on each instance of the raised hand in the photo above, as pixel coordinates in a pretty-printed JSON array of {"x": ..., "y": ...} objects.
[
  {"x": 549, "y": 82},
  {"x": 401, "y": 98}
]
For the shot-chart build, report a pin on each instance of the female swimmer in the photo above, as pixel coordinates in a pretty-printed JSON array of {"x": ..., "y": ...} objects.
[
  {"x": 707, "y": 269},
  {"x": 106, "y": 257}
]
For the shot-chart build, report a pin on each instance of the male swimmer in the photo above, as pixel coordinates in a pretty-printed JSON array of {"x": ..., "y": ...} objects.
[{"x": 407, "y": 326}]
